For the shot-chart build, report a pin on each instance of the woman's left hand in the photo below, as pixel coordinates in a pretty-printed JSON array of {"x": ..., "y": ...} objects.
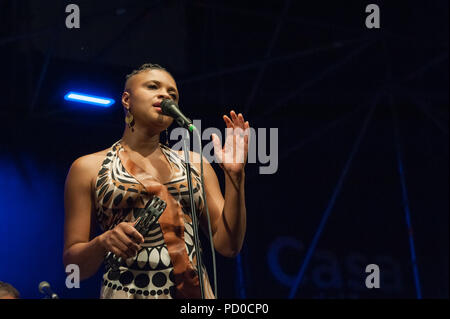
[{"x": 233, "y": 156}]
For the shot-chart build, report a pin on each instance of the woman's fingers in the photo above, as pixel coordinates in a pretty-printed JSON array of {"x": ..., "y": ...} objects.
[
  {"x": 217, "y": 148},
  {"x": 118, "y": 244},
  {"x": 241, "y": 120},
  {"x": 237, "y": 120},
  {"x": 239, "y": 125},
  {"x": 133, "y": 233},
  {"x": 120, "y": 249},
  {"x": 247, "y": 133},
  {"x": 123, "y": 240},
  {"x": 126, "y": 245},
  {"x": 118, "y": 252},
  {"x": 228, "y": 122}
]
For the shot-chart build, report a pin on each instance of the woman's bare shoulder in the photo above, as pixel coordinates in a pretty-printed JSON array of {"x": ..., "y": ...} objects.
[
  {"x": 89, "y": 165},
  {"x": 92, "y": 159}
]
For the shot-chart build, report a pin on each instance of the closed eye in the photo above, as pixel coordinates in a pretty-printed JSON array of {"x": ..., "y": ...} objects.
[{"x": 155, "y": 87}]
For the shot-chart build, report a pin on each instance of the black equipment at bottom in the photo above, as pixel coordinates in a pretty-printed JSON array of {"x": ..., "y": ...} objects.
[{"x": 44, "y": 288}]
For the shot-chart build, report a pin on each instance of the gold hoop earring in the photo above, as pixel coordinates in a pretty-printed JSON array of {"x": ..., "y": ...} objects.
[{"x": 129, "y": 119}]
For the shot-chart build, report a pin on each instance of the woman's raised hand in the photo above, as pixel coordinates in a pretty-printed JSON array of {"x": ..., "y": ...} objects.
[{"x": 233, "y": 155}]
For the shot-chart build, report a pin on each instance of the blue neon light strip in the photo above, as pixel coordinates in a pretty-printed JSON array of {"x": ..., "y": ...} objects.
[{"x": 89, "y": 99}]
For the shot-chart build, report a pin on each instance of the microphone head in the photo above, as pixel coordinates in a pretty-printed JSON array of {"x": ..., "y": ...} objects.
[
  {"x": 169, "y": 107},
  {"x": 42, "y": 286}
]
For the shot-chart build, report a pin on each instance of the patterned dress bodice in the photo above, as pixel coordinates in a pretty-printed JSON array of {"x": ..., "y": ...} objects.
[{"x": 120, "y": 197}]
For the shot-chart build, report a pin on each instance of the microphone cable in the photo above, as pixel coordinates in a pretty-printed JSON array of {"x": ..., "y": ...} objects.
[{"x": 207, "y": 212}]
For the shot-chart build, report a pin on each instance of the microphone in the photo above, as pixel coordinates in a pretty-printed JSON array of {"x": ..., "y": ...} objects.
[
  {"x": 170, "y": 108},
  {"x": 44, "y": 288}
]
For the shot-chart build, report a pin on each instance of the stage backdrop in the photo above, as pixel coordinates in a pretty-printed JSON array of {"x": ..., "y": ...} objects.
[{"x": 361, "y": 128}]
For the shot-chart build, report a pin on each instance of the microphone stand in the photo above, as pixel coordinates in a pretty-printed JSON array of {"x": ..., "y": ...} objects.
[
  {"x": 193, "y": 214},
  {"x": 170, "y": 108}
]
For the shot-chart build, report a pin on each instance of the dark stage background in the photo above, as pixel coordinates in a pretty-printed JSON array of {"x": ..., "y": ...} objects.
[{"x": 362, "y": 118}]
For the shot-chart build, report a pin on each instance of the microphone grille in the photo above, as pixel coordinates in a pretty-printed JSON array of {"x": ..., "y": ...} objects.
[
  {"x": 42, "y": 285},
  {"x": 168, "y": 106},
  {"x": 165, "y": 103}
]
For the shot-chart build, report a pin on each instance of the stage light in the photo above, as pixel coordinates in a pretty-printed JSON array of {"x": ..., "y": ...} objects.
[{"x": 89, "y": 99}]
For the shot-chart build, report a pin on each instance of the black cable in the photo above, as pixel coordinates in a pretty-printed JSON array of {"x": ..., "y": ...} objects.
[
  {"x": 207, "y": 213},
  {"x": 194, "y": 217}
]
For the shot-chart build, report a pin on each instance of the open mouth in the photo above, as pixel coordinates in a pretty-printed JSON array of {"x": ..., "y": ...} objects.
[{"x": 157, "y": 106}]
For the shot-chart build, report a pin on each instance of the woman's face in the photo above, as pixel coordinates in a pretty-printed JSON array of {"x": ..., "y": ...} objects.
[{"x": 143, "y": 93}]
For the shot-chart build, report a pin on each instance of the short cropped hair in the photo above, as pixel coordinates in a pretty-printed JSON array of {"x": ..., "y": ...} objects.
[
  {"x": 8, "y": 290},
  {"x": 146, "y": 67}
]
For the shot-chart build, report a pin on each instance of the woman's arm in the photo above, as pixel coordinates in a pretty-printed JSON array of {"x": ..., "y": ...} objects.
[
  {"x": 79, "y": 248},
  {"x": 228, "y": 213}
]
